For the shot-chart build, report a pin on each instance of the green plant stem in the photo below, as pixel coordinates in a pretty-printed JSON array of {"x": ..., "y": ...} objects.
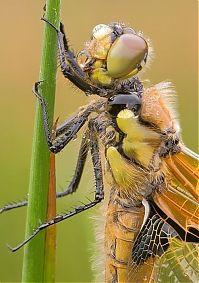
[{"x": 34, "y": 263}]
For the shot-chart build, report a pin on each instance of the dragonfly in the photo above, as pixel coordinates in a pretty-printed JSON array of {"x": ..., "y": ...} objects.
[{"x": 145, "y": 176}]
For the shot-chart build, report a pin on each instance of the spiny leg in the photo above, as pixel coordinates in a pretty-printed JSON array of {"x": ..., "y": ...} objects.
[
  {"x": 74, "y": 182},
  {"x": 98, "y": 127},
  {"x": 70, "y": 56},
  {"x": 13, "y": 206},
  {"x": 99, "y": 192},
  {"x": 65, "y": 52},
  {"x": 57, "y": 144},
  {"x": 79, "y": 168},
  {"x": 72, "y": 71},
  {"x": 63, "y": 128},
  {"x": 77, "y": 76},
  {"x": 94, "y": 147}
]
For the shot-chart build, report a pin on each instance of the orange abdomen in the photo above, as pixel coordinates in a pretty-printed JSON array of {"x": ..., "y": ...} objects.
[{"x": 123, "y": 223}]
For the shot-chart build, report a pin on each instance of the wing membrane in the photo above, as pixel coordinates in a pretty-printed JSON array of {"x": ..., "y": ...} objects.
[
  {"x": 166, "y": 249},
  {"x": 178, "y": 264},
  {"x": 160, "y": 254},
  {"x": 151, "y": 243},
  {"x": 184, "y": 168},
  {"x": 181, "y": 208},
  {"x": 180, "y": 200}
]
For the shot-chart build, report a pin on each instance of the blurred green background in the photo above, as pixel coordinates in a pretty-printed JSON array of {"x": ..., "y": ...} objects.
[{"x": 172, "y": 27}]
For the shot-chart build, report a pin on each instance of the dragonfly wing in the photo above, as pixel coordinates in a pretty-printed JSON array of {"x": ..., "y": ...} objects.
[
  {"x": 184, "y": 169},
  {"x": 160, "y": 254},
  {"x": 179, "y": 263},
  {"x": 180, "y": 200},
  {"x": 166, "y": 249},
  {"x": 151, "y": 243}
]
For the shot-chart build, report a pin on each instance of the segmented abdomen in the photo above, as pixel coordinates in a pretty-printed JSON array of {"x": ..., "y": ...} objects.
[{"x": 123, "y": 223}]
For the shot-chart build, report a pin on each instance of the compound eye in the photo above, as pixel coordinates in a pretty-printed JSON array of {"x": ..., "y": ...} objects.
[
  {"x": 126, "y": 55},
  {"x": 129, "y": 30}
]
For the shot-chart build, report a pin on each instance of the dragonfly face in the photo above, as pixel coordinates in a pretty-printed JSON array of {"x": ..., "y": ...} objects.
[
  {"x": 151, "y": 224},
  {"x": 114, "y": 52}
]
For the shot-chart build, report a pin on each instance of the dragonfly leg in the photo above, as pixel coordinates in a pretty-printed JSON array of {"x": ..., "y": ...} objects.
[
  {"x": 79, "y": 168},
  {"x": 81, "y": 162},
  {"x": 99, "y": 192},
  {"x": 73, "y": 184},
  {"x": 66, "y": 127},
  {"x": 13, "y": 205},
  {"x": 72, "y": 70},
  {"x": 70, "y": 129},
  {"x": 94, "y": 147}
]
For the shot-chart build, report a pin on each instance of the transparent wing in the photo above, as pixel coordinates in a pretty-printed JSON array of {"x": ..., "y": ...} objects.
[
  {"x": 180, "y": 201},
  {"x": 162, "y": 252},
  {"x": 184, "y": 169},
  {"x": 167, "y": 247}
]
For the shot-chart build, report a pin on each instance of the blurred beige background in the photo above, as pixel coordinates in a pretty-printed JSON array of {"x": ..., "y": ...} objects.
[{"x": 172, "y": 27}]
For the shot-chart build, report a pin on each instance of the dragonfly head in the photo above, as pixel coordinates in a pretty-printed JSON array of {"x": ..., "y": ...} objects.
[{"x": 115, "y": 52}]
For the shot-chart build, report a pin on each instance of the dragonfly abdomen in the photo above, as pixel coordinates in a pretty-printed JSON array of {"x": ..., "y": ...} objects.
[{"x": 123, "y": 223}]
